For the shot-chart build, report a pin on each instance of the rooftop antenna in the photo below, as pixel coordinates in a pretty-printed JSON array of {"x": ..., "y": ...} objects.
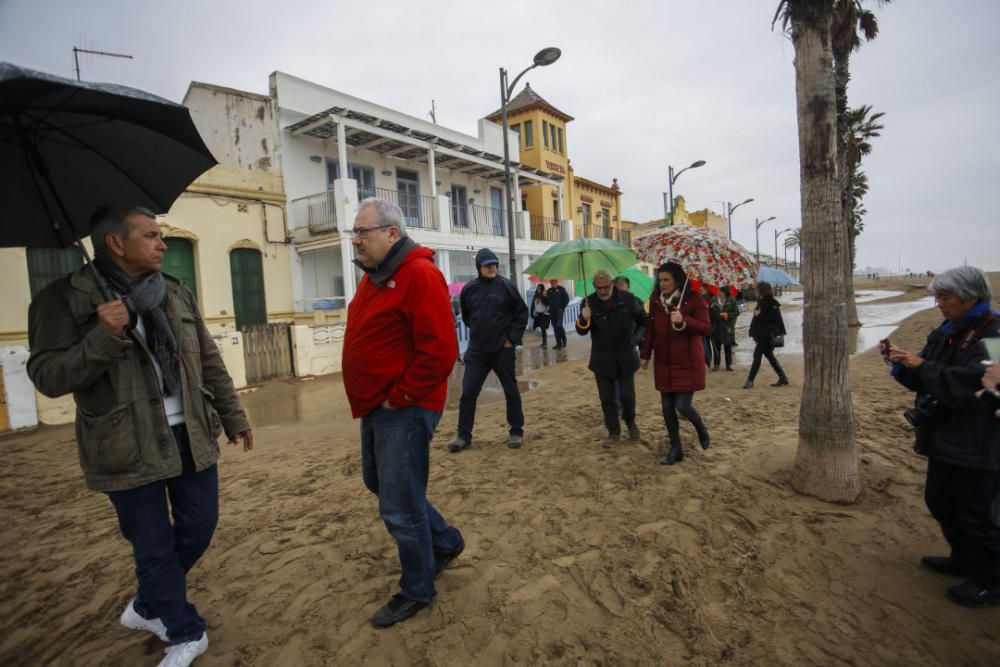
[
  {"x": 433, "y": 113},
  {"x": 77, "y": 51}
]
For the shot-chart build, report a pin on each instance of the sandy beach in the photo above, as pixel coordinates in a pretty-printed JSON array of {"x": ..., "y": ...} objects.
[{"x": 575, "y": 554}]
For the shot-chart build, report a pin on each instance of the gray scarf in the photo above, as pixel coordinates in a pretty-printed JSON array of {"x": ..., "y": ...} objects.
[{"x": 145, "y": 298}]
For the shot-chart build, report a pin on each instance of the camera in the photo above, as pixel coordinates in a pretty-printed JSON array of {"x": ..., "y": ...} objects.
[{"x": 926, "y": 409}]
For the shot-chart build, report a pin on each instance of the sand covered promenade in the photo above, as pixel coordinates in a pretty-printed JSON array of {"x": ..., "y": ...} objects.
[{"x": 575, "y": 554}]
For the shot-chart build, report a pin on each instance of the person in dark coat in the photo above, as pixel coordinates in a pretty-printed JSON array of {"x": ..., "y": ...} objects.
[
  {"x": 496, "y": 316},
  {"x": 678, "y": 320},
  {"x": 959, "y": 433},
  {"x": 765, "y": 325},
  {"x": 558, "y": 300},
  {"x": 724, "y": 311},
  {"x": 615, "y": 321},
  {"x": 706, "y": 295},
  {"x": 540, "y": 313}
]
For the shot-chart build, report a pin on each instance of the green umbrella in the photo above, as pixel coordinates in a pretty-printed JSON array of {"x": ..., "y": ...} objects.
[
  {"x": 640, "y": 284},
  {"x": 579, "y": 259}
]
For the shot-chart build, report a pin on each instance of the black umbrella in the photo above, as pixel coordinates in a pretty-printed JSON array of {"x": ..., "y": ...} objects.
[{"x": 68, "y": 147}]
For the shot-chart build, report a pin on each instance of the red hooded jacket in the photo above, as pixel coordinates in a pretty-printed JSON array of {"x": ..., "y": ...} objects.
[{"x": 400, "y": 341}]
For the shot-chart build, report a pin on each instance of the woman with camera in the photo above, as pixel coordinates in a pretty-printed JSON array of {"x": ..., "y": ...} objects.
[
  {"x": 767, "y": 329},
  {"x": 540, "y": 313},
  {"x": 958, "y": 433}
]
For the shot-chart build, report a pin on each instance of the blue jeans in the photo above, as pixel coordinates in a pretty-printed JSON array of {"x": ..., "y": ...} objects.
[
  {"x": 395, "y": 460},
  {"x": 164, "y": 553},
  {"x": 477, "y": 366}
]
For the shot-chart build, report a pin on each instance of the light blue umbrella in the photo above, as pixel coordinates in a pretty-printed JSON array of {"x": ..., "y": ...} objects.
[{"x": 776, "y": 277}]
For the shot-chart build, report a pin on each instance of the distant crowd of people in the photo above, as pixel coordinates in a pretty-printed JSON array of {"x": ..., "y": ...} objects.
[{"x": 153, "y": 395}]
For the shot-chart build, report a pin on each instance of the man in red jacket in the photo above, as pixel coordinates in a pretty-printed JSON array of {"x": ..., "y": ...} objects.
[{"x": 399, "y": 349}]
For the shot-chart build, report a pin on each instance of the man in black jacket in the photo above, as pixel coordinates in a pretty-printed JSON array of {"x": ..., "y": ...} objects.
[
  {"x": 497, "y": 317},
  {"x": 558, "y": 300},
  {"x": 959, "y": 434},
  {"x": 616, "y": 323}
]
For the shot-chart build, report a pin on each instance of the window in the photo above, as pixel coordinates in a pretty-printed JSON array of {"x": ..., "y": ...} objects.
[
  {"x": 517, "y": 130},
  {"x": 408, "y": 185},
  {"x": 562, "y": 150},
  {"x": 552, "y": 131},
  {"x": 365, "y": 176},
  {"x": 48, "y": 264},
  {"x": 459, "y": 206},
  {"x": 555, "y": 209},
  {"x": 606, "y": 223},
  {"x": 545, "y": 133},
  {"x": 323, "y": 279},
  {"x": 586, "y": 220},
  {"x": 529, "y": 137}
]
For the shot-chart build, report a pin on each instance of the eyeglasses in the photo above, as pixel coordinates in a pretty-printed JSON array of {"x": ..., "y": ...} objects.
[{"x": 362, "y": 232}]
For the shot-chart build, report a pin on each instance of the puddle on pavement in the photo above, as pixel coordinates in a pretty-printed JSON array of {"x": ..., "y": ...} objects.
[{"x": 879, "y": 320}]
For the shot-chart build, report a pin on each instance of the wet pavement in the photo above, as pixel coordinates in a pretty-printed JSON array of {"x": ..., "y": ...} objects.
[
  {"x": 878, "y": 320},
  {"x": 322, "y": 398}
]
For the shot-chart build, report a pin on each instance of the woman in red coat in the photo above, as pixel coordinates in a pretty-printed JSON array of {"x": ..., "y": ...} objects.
[{"x": 678, "y": 320}]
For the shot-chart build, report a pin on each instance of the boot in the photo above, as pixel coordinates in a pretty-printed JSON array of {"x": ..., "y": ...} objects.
[
  {"x": 782, "y": 378},
  {"x": 675, "y": 455},
  {"x": 782, "y": 381},
  {"x": 633, "y": 430},
  {"x": 703, "y": 437},
  {"x": 748, "y": 384}
]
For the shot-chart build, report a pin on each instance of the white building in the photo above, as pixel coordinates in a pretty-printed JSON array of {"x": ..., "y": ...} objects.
[{"x": 449, "y": 185}]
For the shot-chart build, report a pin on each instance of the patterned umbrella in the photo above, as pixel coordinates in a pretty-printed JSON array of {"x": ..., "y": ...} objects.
[{"x": 704, "y": 253}]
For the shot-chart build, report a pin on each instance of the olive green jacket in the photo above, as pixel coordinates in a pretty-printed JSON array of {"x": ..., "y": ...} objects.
[
  {"x": 122, "y": 434},
  {"x": 724, "y": 331}
]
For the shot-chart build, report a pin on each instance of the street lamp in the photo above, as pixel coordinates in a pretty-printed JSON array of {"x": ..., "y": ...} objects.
[
  {"x": 729, "y": 215},
  {"x": 757, "y": 234},
  {"x": 543, "y": 58},
  {"x": 672, "y": 178},
  {"x": 776, "y": 235}
]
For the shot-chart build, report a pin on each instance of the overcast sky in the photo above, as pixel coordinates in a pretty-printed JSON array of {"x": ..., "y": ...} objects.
[{"x": 650, "y": 84}]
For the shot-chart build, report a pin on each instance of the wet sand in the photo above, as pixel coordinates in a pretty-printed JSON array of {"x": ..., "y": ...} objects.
[{"x": 576, "y": 555}]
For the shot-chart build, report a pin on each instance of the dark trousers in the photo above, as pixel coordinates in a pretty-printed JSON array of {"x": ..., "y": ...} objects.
[
  {"x": 558, "y": 329},
  {"x": 673, "y": 403},
  {"x": 706, "y": 343},
  {"x": 717, "y": 349},
  {"x": 395, "y": 461},
  {"x": 477, "y": 367},
  {"x": 764, "y": 349},
  {"x": 165, "y": 552},
  {"x": 606, "y": 389},
  {"x": 545, "y": 335},
  {"x": 966, "y": 503}
]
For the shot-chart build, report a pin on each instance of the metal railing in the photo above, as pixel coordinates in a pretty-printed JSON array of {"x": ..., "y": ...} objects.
[
  {"x": 319, "y": 211},
  {"x": 478, "y": 219},
  {"x": 547, "y": 229},
  {"x": 419, "y": 211}
]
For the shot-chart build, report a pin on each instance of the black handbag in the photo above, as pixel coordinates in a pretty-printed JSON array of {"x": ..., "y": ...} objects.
[{"x": 777, "y": 340}]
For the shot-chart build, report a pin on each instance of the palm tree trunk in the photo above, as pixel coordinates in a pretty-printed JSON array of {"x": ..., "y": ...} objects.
[
  {"x": 826, "y": 463},
  {"x": 843, "y": 75}
]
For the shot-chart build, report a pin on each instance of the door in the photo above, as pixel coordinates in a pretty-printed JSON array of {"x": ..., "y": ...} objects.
[
  {"x": 48, "y": 264},
  {"x": 408, "y": 186},
  {"x": 365, "y": 176},
  {"x": 178, "y": 261},
  {"x": 247, "y": 272},
  {"x": 496, "y": 210},
  {"x": 459, "y": 207}
]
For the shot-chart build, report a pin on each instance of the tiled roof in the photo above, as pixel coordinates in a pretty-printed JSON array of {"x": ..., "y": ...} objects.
[{"x": 528, "y": 99}]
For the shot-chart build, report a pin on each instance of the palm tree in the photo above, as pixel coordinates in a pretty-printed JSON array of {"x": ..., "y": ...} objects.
[
  {"x": 862, "y": 126},
  {"x": 826, "y": 463},
  {"x": 794, "y": 240},
  {"x": 851, "y": 23}
]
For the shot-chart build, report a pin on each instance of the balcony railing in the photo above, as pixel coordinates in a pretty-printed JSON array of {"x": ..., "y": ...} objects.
[
  {"x": 419, "y": 211},
  {"x": 478, "y": 219},
  {"x": 547, "y": 229},
  {"x": 592, "y": 231},
  {"x": 318, "y": 211}
]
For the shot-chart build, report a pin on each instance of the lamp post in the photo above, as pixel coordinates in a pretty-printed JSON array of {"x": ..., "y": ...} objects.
[
  {"x": 543, "y": 58},
  {"x": 757, "y": 234},
  {"x": 672, "y": 178},
  {"x": 729, "y": 214},
  {"x": 776, "y": 235}
]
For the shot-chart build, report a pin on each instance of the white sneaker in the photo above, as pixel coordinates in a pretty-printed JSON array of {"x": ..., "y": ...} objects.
[
  {"x": 182, "y": 655},
  {"x": 133, "y": 621}
]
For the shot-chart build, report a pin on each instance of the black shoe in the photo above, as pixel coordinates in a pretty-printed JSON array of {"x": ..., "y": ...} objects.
[
  {"x": 458, "y": 444},
  {"x": 675, "y": 455},
  {"x": 748, "y": 384},
  {"x": 544, "y": 346},
  {"x": 973, "y": 594},
  {"x": 516, "y": 440},
  {"x": 704, "y": 439},
  {"x": 633, "y": 430},
  {"x": 399, "y": 609},
  {"x": 730, "y": 368},
  {"x": 782, "y": 381},
  {"x": 444, "y": 560},
  {"x": 943, "y": 565}
]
